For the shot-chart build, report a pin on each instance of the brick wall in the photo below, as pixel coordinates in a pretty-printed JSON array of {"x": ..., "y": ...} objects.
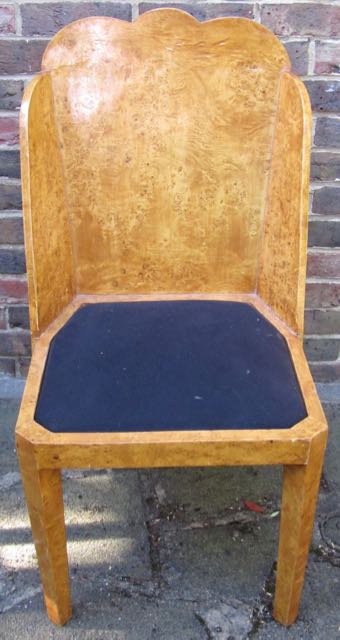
[{"x": 311, "y": 33}]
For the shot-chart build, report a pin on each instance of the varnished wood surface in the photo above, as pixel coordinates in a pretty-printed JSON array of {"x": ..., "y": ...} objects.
[
  {"x": 172, "y": 448},
  {"x": 166, "y": 159},
  {"x": 282, "y": 261},
  {"x": 46, "y": 223},
  {"x": 164, "y": 129},
  {"x": 44, "y": 499},
  {"x": 42, "y": 454},
  {"x": 299, "y": 498}
]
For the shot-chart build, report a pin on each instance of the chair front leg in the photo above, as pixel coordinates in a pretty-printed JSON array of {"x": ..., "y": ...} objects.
[
  {"x": 299, "y": 499},
  {"x": 43, "y": 490}
]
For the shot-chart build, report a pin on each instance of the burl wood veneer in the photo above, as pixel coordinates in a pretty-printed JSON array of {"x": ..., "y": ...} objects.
[{"x": 167, "y": 159}]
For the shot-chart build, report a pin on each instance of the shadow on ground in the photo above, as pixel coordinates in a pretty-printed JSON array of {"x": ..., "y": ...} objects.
[{"x": 169, "y": 554}]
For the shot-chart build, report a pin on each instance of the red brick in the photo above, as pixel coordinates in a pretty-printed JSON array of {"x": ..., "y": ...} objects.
[
  {"x": 325, "y": 371},
  {"x": 298, "y": 54},
  {"x": 12, "y": 260},
  {"x": 327, "y": 132},
  {"x": 47, "y": 18},
  {"x": 13, "y": 289},
  {"x": 324, "y": 263},
  {"x": 9, "y": 164},
  {"x": 324, "y": 95},
  {"x": 3, "y": 318},
  {"x": 326, "y": 200},
  {"x": 205, "y": 11},
  {"x": 320, "y": 293},
  {"x": 11, "y": 230},
  {"x": 322, "y": 321},
  {"x": 9, "y": 130},
  {"x": 325, "y": 166},
  {"x": 302, "y": 19},
  {"x": 7, "y": 19},
  {"x": 21, "y": 56},
  {"x": 7, "y": 366},
  {"x": 11, "y": 93},
  {"x": 10, "y": 195},
  {"x": 327, "y": 57},
  {"x": 323, "y": 232},
  {"x": 18, "y": 317},
  {"x": 13, "y": 343},
  {"x": 321, "y": 348}
]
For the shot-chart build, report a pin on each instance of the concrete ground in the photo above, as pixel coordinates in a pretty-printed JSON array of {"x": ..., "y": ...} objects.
[{"x": 168, "y": 554}]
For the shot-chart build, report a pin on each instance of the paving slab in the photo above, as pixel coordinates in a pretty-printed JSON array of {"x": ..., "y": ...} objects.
[{"x": 170, "y": 554}]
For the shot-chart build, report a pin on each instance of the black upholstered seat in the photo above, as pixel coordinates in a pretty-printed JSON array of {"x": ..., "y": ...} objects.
[{"x": 143, "y": 366}]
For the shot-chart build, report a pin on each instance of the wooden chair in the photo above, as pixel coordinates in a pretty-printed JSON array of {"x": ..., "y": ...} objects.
[{"x": 165, "y": 168}]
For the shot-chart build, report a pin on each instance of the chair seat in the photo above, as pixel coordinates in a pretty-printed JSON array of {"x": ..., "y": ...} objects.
[{"x": 170, "y": 365}]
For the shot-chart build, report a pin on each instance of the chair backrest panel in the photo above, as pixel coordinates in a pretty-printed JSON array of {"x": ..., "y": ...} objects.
[
  {"x": 166, "y": 147},
  {"x": 283, "y": 255},
  {"x": 164, "y": 131},
  {"x": 49, "y": 259}
]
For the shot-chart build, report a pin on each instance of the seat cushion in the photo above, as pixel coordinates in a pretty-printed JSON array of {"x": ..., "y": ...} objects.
[{"x": 170, "y": 365}]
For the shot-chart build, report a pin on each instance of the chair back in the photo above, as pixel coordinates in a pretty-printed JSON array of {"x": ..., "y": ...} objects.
[{"x": 166, "y": 156}]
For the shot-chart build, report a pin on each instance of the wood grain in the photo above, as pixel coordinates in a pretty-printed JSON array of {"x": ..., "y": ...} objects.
[
  {"x": 282, "y": 263},
  {"x": 44, "y": 499},
  {"x": 187, "y": 448},
  {"x": 299, "y": 498},
  {"x": 165, "y": 129},
  {"x": 166, "y": 159},
  {"x": 46, "y": 225}
]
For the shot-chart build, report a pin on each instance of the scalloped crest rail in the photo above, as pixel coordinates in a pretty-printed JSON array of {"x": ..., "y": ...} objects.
[{"x": 166, "y": 159}]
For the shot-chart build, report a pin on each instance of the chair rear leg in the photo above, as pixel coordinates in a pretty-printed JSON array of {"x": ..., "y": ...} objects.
[
  {"x": 43, "y": 489},
  {"x": 299, "y": 499}
]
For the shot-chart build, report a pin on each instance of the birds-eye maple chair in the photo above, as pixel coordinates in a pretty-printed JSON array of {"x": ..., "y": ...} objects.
[{"x": 165, "y": 168}]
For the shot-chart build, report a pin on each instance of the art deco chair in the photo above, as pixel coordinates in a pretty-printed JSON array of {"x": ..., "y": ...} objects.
[{"x": 165, "y": 169}]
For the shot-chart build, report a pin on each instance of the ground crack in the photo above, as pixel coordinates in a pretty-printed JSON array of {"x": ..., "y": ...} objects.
[
  {"x": 152, "y": 517},
  {"x": 263, "y": 608},
  {"x": 205, "y": 626}
]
